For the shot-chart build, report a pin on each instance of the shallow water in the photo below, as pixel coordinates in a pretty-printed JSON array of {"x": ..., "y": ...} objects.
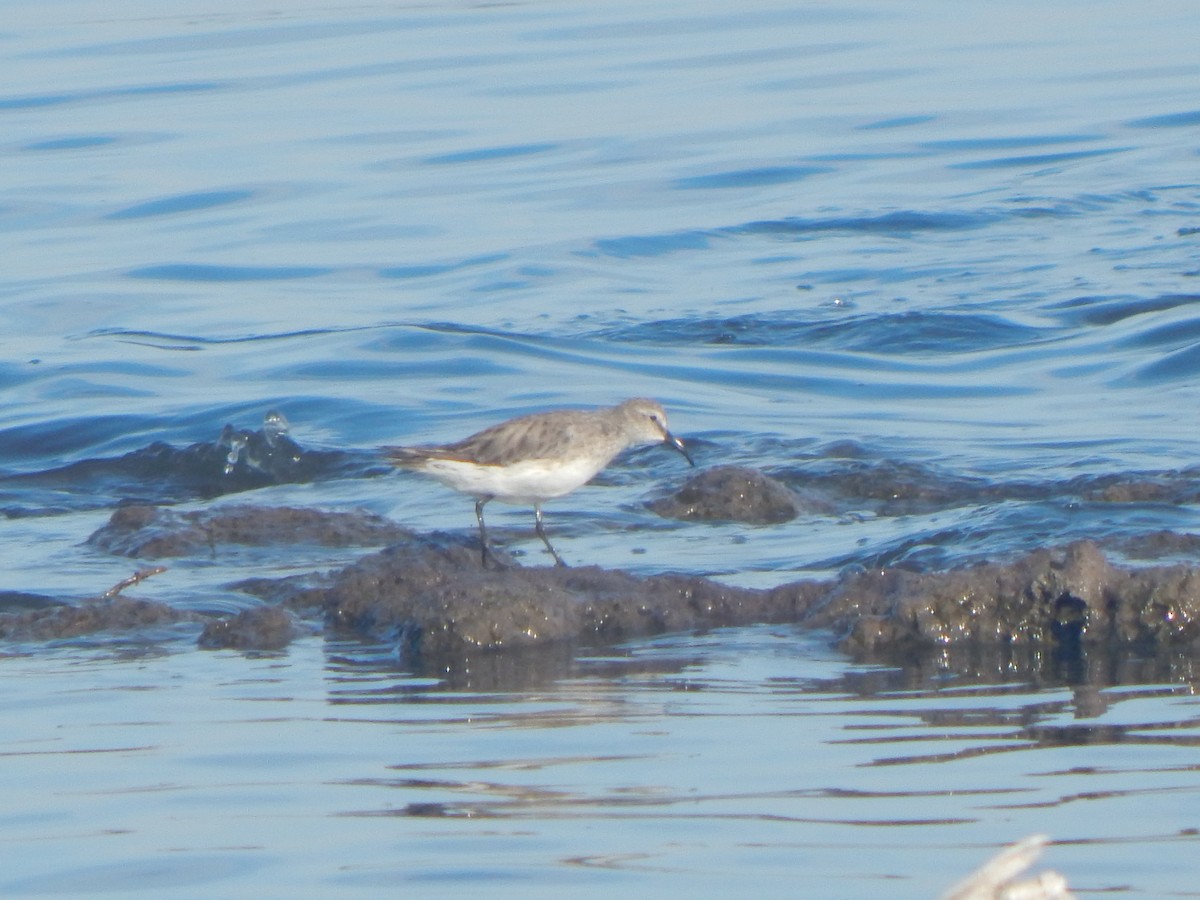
[
  {"x": 940, "y": 267},
  {"x": 754, "y": 758}
]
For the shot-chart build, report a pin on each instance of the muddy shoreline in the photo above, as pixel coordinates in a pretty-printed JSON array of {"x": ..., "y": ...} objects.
[{"x": 430, "y": 597}]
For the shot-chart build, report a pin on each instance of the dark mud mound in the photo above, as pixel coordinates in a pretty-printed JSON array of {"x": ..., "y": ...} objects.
[
  {"x": 848, "y": 479},
  {"x": 152, "y": 531},
  {"x": 12, "y": 601},
  {"x": 1059, "y": 597},
  {"x": 432, "y": 598},
  {"x": 732, "y": 494},
  {"x": 261, "y": 628},
  {"x": 437, "y": 601},
  {"x": 264, "y": 628},
  {"x": 120, "y": 616},
  {"x": 1175, "y": 488},
  {"x": 1157, "y": 544}
]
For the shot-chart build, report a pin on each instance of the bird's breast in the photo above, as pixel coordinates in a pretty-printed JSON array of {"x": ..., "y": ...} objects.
[{"x": 527, "y": 481}]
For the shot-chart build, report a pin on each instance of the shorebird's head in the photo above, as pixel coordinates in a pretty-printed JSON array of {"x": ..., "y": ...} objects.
[{"x": 646, "y": 423}]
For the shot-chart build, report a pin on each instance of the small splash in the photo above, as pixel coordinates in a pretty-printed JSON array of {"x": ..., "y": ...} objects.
[
  {"x": 237, "y": 459},
  {"x": 259, "y": 451},
  {"x": 236, "y": 442},
  {"x": 275, "y": 425}
]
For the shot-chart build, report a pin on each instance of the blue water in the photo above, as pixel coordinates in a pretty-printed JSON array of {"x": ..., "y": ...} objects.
[{"x": 961, "y": 242}]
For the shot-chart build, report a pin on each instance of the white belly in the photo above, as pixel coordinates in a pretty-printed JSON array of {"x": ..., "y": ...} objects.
[{"x": 531, "y": 481}]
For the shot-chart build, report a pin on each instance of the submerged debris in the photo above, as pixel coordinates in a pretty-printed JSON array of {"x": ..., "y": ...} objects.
[{"x": 136, "y": 578}]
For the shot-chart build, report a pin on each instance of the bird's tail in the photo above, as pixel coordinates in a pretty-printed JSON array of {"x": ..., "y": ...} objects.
[{"x": 405, "y": 457}]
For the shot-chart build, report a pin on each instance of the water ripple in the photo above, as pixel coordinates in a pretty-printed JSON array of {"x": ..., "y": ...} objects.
[
  {"x": 1038, "y": 160},
  {"x": 897, "y": 334},
  {"x": 66, "y": 98},
  {"x": 741, "y": 178},
  {"x": 182, "y": 203},
  {"x": 899, "y": 223},
  {"x": 202, "y": 272},
  {"x": 1188, "y": 119}
]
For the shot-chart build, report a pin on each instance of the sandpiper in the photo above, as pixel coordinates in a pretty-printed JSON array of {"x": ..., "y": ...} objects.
[{"x": 534, "y": 458}]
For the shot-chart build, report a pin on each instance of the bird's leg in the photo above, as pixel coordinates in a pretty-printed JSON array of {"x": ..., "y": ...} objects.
[
  {"x": 483, "y": 538},
  {"x": 541, "y": 532}
]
